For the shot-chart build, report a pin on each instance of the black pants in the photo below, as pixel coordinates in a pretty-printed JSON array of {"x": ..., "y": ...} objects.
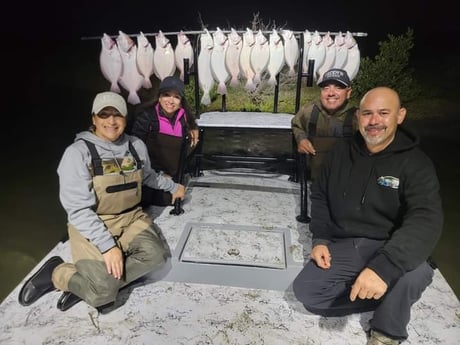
[{"x": 326, "y": 292}]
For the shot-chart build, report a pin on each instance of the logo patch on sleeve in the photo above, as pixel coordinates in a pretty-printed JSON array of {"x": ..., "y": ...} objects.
[{"x": 388, "y": 181}]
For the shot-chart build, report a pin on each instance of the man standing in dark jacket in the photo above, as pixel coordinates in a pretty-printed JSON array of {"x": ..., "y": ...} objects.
[{"x": 376, "y": 218}]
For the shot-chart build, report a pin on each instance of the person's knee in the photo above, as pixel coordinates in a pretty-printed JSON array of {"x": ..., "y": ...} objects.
[
  {"x": 98, "y": 291},
  {"x": 304, "y": 290},
  {"x": 148, "y": 248}
]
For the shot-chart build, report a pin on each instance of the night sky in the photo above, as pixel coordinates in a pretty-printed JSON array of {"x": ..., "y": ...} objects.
[{"x": 37, "y": 34}]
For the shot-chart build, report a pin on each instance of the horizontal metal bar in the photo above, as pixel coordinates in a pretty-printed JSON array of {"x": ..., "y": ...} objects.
[{"x": 198, "y": 32}]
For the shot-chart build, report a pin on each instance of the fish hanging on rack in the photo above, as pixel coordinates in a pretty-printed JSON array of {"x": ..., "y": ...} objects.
[
  {"x": 245, "y": 59},
  {"x": 341, "y": 51},
  {"x": 291, "y": 50},
  {"x": 317, "y": 52},
  {"x": 353, "y": 57},
  {"x": 232, "y": 56},
  {"x": 260, "y": 54},
  {"x": 184, "y": 50},
  {"x": 110, "y": 62},
  {"x": 276, "y": 58},
  {"x": 144, "y": 59},
  {"x": 329, "y": 57},
  {"x": 307, "y": 39},
  {"x": 205, "y": 78},
  {"x": 218, "y": 68},
  {"x": 164, "y": 62},
  {"x": 130, "y": 79}
]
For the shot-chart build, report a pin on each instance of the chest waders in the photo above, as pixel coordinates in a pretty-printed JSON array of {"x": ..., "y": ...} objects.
[
  {"x": 309, "y": 165},
  {"x": 118, "y": 206},
  {"x": 323, "y": 144}
]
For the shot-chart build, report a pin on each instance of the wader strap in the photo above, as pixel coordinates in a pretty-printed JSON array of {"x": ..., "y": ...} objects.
[
  {"x": 313, "y": 121},
  {"x": 95, "y": 158},
  {"x": 348, "y": 122},
  {"x": 135, "y": 155}
]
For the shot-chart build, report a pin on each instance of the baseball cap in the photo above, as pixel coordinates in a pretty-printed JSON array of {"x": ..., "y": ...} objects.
[
  {"x": 109, "y": 99},
  {"x": 172, "y": 83},
  {"x": 335, "y": 75}
]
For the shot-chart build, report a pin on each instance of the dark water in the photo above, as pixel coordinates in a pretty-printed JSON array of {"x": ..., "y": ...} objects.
[{"x": 51, "y": 101}]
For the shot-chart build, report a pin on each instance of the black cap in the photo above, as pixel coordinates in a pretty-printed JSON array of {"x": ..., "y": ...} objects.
[
  {"x": 335, "y": 75},
  {"x": 172, "y": 83}
]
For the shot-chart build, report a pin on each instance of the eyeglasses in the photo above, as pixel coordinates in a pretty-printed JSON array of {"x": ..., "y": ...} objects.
[{"x": 106, "y": 114}]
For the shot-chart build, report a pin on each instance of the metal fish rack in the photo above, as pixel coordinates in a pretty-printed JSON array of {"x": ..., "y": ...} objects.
[{"x": 308, "y": 75}]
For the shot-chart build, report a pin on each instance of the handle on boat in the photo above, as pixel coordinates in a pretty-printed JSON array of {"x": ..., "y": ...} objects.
[
  {"x": 302, "y": 166},
  {"x": 178, "y": 210}
]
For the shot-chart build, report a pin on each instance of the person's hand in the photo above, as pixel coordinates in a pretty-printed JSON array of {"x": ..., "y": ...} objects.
[
  {"x": 368, "y": 285},
  {"x": 179, "y": 194},
  {"x": 305, "y": 146},
  {"x": 322, "y": 256},
  {"x": 194, "y": 137},
  {"x": 113, "y": 259}
]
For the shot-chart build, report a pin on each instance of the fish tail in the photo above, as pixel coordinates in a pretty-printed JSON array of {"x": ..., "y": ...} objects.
[
  {"x": 250, "y": 86},
  {"x": 206, "y": 99},
  {"x": 221, "y": 89},
  {"x": 147, "y": 84},
  {"x": 291, "y": 72},
  {"x": 133, "y": 98},
  {"x": 257, "y": 79},
  {"x": 271, "y": 80},
  {"x": 234, "y": 82},
  {"x": 114, "y": 87}
]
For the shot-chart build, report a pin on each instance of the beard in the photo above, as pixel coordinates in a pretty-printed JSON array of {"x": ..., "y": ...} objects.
[{"x": 372, "y": 139}]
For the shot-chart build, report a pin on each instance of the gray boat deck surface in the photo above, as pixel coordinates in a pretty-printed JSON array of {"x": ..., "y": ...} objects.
[{"x": 227, "y": 292}]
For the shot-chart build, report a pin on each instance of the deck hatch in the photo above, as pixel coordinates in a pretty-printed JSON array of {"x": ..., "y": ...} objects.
[{"x": 225, "y": 245}]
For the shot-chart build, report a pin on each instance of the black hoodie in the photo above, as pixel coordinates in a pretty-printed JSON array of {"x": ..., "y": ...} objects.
[{"x": 392, "y": 195}]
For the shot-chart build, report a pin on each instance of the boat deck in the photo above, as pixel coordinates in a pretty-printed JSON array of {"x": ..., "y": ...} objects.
[{"x": 221, "y": 285}]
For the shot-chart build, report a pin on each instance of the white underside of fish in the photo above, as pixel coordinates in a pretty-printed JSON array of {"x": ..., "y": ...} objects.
[
  {"x": 306, "y": 49},
  {"x": 131, "y": 80},
  {"x": 205, "y": 78},
  {"x": 341, "y": 54},
  {"x": 245, "y": 60},
  {"x": 276, "y": 61},
  {"x": 329, "y": 57},
  {"x": 218, "y": 68},
  {"x": 144, "y": 59},
  {"x": 164, "y": 62},
  {"x": 232, "y": 57},
  {"x": 353, "y": 61},
  {"x": 184, "y": 50},
  {"x": 110, "y": 62},
  {"x": 291, "y": 51},
  {"x": 260, "y": 56}
]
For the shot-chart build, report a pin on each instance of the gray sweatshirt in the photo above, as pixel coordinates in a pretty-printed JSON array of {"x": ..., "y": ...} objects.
[{"x": 76, "y": 189}]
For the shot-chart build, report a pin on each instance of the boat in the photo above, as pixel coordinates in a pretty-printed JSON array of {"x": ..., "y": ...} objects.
[
  {"x": 236, "y": 244},
  {"x": 235, "y": 250}
]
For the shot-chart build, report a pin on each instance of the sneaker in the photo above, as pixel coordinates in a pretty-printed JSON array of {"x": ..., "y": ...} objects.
[{"x": 378, "y": 338}]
